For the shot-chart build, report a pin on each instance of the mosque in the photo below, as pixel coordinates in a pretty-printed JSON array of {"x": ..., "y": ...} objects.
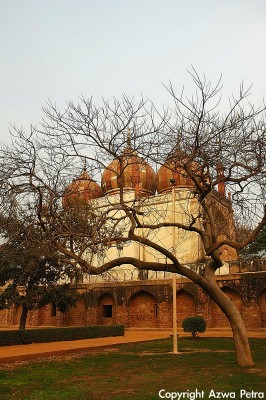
[{"x": 143, "y": 299}]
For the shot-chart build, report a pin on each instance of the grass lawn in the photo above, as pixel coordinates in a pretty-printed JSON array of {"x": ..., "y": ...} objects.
[{"x": 136, "y": 371}]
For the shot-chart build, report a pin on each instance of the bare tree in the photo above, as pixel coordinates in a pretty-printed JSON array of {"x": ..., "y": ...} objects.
[{"x": 197, "y": 145}]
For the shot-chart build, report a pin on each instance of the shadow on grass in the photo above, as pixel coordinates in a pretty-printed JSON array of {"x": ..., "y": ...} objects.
[{"x": 135, "y": 371}]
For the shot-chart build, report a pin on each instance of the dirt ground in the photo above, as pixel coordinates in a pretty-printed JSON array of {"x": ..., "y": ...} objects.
[{"x": 40, "y": 350}]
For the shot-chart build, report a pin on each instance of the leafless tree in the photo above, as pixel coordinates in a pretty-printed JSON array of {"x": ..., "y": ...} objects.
[{"x": 195, "y": 140}]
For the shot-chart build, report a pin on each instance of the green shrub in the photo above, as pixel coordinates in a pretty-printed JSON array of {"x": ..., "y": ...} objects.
[
  {"x": 12, "y": 337},
  {"x": 194, "y": 325}
]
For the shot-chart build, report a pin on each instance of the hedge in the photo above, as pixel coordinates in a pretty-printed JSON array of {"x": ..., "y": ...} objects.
[{"x": 12, "y": 337}]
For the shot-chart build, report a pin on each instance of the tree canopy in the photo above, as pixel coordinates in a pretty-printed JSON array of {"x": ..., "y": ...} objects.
[{"x": 193, "y": 139}]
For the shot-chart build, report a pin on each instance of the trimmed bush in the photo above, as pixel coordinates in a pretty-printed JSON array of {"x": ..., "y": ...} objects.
[
  {"x": 12, "y": 337},
  {"x": 194, "y": 325}
]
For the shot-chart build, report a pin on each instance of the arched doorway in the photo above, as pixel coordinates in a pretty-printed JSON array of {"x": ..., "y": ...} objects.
[
  {"x": 185, "y": 306},
  {"x": 218, "y": 317},
  {"x": 142, "y": 311},
  {"x": 262, "y": 307},
  {"x": 106, "y": 310}
]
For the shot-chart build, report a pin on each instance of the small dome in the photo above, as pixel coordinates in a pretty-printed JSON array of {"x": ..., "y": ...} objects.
[
  {"x": 173, "y": 169},
  {"x": 133, "y": 173},
  {"x": 81, "y": 190}
]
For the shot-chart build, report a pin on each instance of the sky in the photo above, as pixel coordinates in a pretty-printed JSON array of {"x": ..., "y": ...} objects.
[{"x": 60, "y": 49}]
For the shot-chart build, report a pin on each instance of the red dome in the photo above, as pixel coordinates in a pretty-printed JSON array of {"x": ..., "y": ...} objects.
[
  {"x": 133, "y": 172},
  {"x": 81, "y": 190},
  {"x": 173, "y": 168}
]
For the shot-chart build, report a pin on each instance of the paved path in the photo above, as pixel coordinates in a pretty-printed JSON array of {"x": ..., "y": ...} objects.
[{"x": 39, "y": 350}]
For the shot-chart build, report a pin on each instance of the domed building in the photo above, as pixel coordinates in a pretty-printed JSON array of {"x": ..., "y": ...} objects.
[
  {"x": 129, "y": 172},
  {"x": 144, "y": 299},
  {"x": 167, "y": 196},
  {"x": 172, "y": 173},
  {"x": 81, "y": 190}
]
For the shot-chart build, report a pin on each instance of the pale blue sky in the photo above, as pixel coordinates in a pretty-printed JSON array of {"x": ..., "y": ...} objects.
[{"x": 58, "y": 49}]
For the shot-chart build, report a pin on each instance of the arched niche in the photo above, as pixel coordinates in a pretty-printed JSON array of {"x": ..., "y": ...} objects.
[
  {"x": 185, "y": 306},
  {"x": 142, "y": 310}
]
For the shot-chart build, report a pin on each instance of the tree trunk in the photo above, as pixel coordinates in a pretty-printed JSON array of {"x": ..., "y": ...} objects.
[
  {"x": 23, "y": 317},
  {"x": 242, "y": 349}
]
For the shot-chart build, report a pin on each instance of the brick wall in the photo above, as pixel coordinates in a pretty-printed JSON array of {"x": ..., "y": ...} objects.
[
  {"x": 148, "y": 304},
  {"x": 77, "y": 315}
]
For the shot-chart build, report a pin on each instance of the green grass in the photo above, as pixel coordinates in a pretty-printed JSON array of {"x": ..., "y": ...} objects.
[{"x": 135, "y": 371}]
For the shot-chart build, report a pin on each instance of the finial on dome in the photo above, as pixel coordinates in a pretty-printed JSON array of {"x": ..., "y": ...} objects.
[{"x": 84, "y": 164}]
